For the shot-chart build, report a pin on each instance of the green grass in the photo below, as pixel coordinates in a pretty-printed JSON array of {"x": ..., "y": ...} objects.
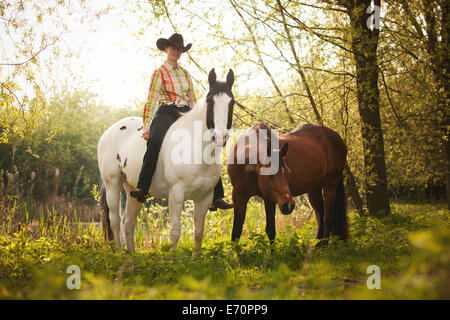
[{"x": 411, "y": 247}]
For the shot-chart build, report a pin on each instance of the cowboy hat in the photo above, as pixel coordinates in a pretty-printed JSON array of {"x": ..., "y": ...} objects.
[{"x": 175, "y": 40}]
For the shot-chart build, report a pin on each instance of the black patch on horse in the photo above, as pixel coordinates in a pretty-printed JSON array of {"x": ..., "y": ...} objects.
[{"x": 123, "y": 127}]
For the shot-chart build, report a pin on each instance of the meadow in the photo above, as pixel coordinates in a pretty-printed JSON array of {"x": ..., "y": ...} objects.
[
  {"x": 377, "y": 77},
  {"x": 411, "y": 247}
]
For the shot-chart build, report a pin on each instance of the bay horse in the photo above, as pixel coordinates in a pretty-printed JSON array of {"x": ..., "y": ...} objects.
[
  {"x": 311, "y": 160},
  {"x": 121, "y": 150}
]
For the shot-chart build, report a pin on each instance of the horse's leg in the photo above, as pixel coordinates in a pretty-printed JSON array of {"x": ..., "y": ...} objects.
[
  {"x": 176, "y": 199},
  {"x": 200, "y": 210},
  {"x": 316, "y": 201},
  {"x": 270, "y": 207},
  {"x": 113, "y": 189},
  {"x": 130, "y": 218},
  {"x": 240, "y": 207},
  {"x": 329, "y": 194}
]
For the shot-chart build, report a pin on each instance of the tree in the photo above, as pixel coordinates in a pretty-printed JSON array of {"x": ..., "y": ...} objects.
[
  {"x": 30, "y": 38},
  {"x": 63, "y": 163},
  {"x": 364, "y": 44},
  {"x": 415, "y": 81}
]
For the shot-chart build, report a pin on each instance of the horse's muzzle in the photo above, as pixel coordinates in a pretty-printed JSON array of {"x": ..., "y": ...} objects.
[
  {"x": 220, "y": 139},
  {"x": 287, "y": 207}
]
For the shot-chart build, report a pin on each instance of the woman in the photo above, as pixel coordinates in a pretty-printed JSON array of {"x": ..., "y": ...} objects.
[{"x": 171, "y": 89}]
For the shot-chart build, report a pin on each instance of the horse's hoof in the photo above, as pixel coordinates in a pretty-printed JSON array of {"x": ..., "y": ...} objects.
[{"x": 322, "y": 243}]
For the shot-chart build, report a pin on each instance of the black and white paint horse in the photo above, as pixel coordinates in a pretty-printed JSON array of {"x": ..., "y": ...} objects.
[{"x": 121, "y": 150}]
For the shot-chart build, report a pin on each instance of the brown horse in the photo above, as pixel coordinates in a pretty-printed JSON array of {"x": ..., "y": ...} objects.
[{"x": 310, "y": 160}]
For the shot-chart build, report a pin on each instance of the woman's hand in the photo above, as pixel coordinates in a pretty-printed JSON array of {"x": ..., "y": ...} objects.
[{"x": 146, "y": 133}]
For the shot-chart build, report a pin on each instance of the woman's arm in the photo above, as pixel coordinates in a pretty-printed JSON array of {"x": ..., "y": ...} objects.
[
  {"x": 152, "y": 99},
  {"x": 191, "y": 92}
]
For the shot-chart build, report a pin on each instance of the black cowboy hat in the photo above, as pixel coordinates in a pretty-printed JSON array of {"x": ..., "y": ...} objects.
[{"x": 175, "y": 40}]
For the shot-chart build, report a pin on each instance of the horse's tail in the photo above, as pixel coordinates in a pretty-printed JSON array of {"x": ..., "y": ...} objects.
[
  {"x": 340, "y": 227},
  {"x": 104, "y": 209}
]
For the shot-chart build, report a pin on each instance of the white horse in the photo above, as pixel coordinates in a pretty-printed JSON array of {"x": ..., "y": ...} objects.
[{"x": 121, "y": 149}]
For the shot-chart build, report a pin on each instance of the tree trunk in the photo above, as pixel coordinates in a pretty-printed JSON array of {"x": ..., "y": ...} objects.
[
  {"x": 364, "y": 45},
  {"x": 352, "y": 188}
]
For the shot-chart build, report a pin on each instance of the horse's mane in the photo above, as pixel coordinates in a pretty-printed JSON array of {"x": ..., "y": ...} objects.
[
  {"x": 251, "y": 146},
  {"x": 261, "y": 125},
  {"x": 270, "y": 135},
  {"x": 196, "y": 108},
  {"x": 200, "y": 103}
]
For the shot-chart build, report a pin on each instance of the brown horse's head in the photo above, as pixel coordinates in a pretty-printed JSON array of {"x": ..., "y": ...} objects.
[{"x": 275, "y": 186}]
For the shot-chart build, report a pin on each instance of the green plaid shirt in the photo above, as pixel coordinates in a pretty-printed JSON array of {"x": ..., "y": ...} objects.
[{"x": 168, "y": 84}]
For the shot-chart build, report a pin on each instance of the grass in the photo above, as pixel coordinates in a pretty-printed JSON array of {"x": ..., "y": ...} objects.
[{"x": 411, "y": 247}]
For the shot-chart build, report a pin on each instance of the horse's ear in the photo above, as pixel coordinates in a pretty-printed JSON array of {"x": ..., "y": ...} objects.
[
  {"x": 284, "y": 150},
  {"x": 212, "y": 77},
  {"x": 230, "y": 78}
]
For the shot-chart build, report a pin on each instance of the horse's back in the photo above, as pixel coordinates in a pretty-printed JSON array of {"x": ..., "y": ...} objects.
[
  {"x": 117, "y": 132},
  {"x": 121, "y": 148},
  {"x": 322, "y": 137}
]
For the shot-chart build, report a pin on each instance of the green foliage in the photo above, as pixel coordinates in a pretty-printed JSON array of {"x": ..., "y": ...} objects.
[
  {"x": 411, "y": 248},
  {"x": 58, "y": 163}
]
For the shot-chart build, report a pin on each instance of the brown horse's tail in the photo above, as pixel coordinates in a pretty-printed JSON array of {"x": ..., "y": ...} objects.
[
  {"x": 104, "y": 209},
  {"x": 340, "y": 227}
]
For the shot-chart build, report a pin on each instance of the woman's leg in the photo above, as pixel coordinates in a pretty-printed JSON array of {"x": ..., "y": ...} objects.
[
  {"x": 218, "y": 191},
  {"x": 164, "y": 118},
  {"x": 218, "y": 201}
]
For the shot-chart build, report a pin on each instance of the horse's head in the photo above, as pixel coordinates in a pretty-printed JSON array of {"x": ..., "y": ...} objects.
[
  {"x": 219, "y": 102},
  {"x": 273, "y": 184}
]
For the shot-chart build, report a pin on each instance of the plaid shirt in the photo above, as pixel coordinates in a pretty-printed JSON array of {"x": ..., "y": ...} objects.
[{"x": 168, "y": 84}]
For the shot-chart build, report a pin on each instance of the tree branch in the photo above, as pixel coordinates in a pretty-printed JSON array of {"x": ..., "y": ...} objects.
[
  {"x": 35, "y": 55},
  {"x": 298, "y": 68}
]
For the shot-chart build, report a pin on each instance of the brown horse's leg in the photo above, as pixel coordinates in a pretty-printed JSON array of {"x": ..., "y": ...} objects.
[
  {"x": 316, "y": 201},
  {"x": 240, "y": 207},
  {"x": 270, "y": 219},
  {"x": 329, "y": 195}
]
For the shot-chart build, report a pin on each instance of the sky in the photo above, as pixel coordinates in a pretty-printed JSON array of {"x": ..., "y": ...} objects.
[
  {"x": 116, "y": 54},
  {"x": 112, "y": 63},
  {"x": 99, "y": 55}
]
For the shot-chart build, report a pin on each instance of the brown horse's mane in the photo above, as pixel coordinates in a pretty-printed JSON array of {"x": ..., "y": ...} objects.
[
  {"x": 270, "y": 137},
  {"x": 262, "y": 126}
]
